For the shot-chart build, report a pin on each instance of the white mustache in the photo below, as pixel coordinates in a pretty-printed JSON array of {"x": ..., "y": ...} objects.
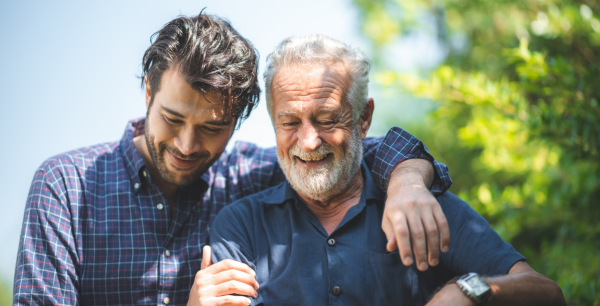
[{"x": 317, "y": 154}]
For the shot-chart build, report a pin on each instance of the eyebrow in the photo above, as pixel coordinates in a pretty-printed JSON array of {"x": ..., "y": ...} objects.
[
  {"x": 218, "y": 122},
  {"x": 172, "y": 112},
  {"x": 286, "y": 113},
  {"x": 324, "y": 110},
  {"x": 210, "y": 122}
]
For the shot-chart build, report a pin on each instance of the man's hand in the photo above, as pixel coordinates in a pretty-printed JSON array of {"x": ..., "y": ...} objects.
[
  {"x": 411, "y": 211},
  {"x": 215, "y": 284},
  {"x": 450, "y": 295}
]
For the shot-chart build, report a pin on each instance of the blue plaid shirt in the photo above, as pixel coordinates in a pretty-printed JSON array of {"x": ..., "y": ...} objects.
[{"x": 97, "y": 230}]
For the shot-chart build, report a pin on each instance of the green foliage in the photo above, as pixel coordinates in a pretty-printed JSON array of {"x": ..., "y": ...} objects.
[
  {"x": 517, "y": 119},
  {"x": 5, "y": 293}
]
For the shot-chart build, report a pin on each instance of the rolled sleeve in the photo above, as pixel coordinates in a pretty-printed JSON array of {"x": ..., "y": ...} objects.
[{"x": 398, "y": 146}]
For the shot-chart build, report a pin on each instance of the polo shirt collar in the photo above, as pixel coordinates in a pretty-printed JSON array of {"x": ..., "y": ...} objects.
[{"x": 285, "y": 192}]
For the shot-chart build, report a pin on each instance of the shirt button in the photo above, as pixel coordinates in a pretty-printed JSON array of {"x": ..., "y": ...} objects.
[
  {"x": 331, "y": 242},
  {"x": 159, "y": 206},
  {"x": 167, "y": 253},
  {"x": 166, "y": 300},
  {"x": 136, "y": 186},
  {"x": 336, "y": 290},
  {"x": 144, "y": 173}
]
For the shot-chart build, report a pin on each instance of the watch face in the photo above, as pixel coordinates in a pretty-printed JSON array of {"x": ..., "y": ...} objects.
[{"x": 477, "y": 285}]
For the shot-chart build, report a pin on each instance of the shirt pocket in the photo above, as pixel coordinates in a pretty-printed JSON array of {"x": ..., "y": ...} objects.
[{"x": 390, "y": 282}]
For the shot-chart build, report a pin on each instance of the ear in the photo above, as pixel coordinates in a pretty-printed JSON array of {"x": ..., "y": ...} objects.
[
  {"x": 148, "y": 91},
  {"x": 365, "y": 119}
]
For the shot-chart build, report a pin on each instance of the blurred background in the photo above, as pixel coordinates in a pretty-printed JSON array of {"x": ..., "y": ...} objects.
[{"x": 506, "y": 93}]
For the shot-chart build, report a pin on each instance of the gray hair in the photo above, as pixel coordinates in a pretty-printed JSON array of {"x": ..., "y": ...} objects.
[{"x": 322, "y": 50}]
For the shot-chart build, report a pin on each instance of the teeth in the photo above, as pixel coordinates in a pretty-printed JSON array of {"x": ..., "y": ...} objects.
[{"x": 312, "y": 159}]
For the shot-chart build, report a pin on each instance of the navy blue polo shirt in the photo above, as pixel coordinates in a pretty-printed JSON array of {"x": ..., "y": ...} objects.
[{"x": 298, "y": 263}]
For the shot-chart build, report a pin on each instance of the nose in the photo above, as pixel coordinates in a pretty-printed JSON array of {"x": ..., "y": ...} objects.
[
  {"x": 187, "y": 141},
  {"x": 308, "y": 137}
]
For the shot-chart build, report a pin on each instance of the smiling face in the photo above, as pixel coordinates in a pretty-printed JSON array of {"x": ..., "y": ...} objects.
[
  {"x": 318, "y": 144},
  {"x": 186, "y": 131}
]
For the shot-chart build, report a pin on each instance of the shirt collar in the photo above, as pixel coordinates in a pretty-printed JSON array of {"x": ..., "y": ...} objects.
[
  {"x": 134, "y": 163},
  {"x": 285, "y": 191}
]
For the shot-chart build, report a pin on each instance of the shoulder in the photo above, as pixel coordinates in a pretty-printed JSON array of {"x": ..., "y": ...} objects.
[
  {"x": 76, "y": 162},
  {"x": 452, "y": 205},
  {"x": 244, "y": 155},
  {"x": 245, "y": 150},
  {"x": 252, "y": 205}
]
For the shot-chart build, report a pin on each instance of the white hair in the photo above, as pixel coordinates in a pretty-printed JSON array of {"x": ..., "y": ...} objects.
[{"x": 321, "y": 50}]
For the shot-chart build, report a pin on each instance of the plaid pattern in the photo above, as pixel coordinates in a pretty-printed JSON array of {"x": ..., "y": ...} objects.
[{"x": 96, "y": 228}]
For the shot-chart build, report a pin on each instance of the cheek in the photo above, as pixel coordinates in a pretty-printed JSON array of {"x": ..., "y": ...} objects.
[
  {"x": 160, "y": 131},
  {"x": 215, "y": 144},
  {"x": 285, "y": 140}
]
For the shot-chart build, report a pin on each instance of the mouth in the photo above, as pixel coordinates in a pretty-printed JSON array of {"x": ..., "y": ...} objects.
[
  {"x": 183, "y": 164},
  {"x": 316, "y": 161}
]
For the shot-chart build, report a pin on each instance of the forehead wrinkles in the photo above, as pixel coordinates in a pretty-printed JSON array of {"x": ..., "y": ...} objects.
[{"x": 299, "y": 84}]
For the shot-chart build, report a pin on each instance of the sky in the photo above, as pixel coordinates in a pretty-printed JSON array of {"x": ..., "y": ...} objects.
[{"x": 69, "y": 76}]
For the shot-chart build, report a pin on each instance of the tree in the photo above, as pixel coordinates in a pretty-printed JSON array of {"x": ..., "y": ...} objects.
[{"x": 516, "y": 118}]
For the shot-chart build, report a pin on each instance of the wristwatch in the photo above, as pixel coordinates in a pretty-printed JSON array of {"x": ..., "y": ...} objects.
[{"x": 474, "y": 287}]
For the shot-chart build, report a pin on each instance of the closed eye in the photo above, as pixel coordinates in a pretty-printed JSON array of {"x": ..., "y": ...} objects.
[
  {"x": 290, "y": 124},
  {"x": 212, "y": 130},
  {"x": 172, "y": 121}
]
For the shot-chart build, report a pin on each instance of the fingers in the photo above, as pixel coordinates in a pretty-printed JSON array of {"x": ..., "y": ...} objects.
[
  {"x": 388, "y": 229},
  {"x": 431, "y": 232},
  {"x": 392, "y": 244},
  {"x": 232, "y": 287},
  {"x": 416, "y": 220},
  {"x": 442, "y": 225},
  {"x": 228, "y": 300},
  {"x": 417, "y": 233},
  {"x": 214, "y": 284},
  {"x": 401, "y": 238},
  {"x": 206, "y": 257},
  {"x": 235, "y": 275},
  {"x": 229, "y": 264}
]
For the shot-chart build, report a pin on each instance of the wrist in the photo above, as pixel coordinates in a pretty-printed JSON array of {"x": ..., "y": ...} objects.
[
  {"x": 406, "y": 179},
  {"x": 474, "y": 288},
  {"x": 413, "y": 171}
]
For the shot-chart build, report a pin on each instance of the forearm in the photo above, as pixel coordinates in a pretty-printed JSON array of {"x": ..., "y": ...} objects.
[
  {"x": 521, "y": 286},
  {"x": 414, "y": 172},
  {"x": 526, "y": 288}
]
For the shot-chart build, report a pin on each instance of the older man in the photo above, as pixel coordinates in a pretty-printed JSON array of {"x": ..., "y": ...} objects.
[{"x": 316, "y": 239}]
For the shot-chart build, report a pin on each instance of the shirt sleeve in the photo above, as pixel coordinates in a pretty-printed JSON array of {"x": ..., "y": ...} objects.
[
  {"x": 230, "y": 238},
  {"x": 46, "y": 271},
  {"x": 398, "y": 146},
  {"x": 475, "y": 246},
  {"x": 251, "y": 169}
]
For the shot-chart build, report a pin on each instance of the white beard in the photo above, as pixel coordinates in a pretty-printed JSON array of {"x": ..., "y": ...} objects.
[{"x": 331, "y": 179}]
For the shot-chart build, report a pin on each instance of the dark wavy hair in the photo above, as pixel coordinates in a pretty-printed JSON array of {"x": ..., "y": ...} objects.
[{"x": 211, "y": 56}]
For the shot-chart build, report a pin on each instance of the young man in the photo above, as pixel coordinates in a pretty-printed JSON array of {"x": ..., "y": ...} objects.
[{"x": 125, "y": 222}]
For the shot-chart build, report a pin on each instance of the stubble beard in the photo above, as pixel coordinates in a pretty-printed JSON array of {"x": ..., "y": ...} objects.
[
  {"x": 326, "y": 182},
  {"x": 157, "y": 155}
]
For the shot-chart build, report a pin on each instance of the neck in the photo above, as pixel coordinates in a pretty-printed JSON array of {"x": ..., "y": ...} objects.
[
  {"x": 168, "y": 189},
  {"x": 331, "y": 212}
]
